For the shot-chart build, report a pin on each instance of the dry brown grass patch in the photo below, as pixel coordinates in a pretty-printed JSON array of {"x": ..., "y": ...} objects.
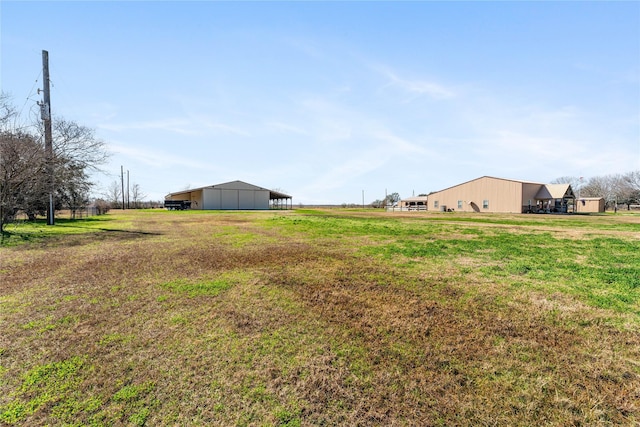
[{"x": 305, "y": 331}]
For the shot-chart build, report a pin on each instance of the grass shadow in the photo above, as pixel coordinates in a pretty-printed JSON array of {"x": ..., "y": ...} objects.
[{"x": 85, "y": 229}]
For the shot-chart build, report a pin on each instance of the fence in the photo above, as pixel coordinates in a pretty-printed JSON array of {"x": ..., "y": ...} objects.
[{"x": 411, "y": 208}]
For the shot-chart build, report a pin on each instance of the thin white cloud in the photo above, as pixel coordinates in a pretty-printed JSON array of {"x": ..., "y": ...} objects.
[
  {"x": 345, "y": 172},
  {"x": 180, "y": 126},
  {"x": 399, "y": 145},
  {"x": 416, "y": 88},
  {"x": 224, "y": 128},
  {"x": 157, "y": 158},
  {"x": 194, "y": 126},
  {"x": 286, "y": 128}
]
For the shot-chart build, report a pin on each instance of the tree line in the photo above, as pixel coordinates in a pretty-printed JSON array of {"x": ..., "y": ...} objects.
[{"x": 26, "y": 173}]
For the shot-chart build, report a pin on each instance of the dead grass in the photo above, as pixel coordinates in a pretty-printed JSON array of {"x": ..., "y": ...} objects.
[{"x": 123, "y": 327}]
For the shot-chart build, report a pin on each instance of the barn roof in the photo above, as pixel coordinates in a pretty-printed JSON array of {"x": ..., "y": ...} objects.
[
  {"x": 554, "y": 191},
  {"x": 488, "y": 177}
]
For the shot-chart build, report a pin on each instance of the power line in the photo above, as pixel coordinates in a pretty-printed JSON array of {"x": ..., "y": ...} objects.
[{"x": 27, "y": 99}]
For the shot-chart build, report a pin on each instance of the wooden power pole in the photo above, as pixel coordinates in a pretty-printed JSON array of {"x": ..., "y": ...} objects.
[
  {"x": 45, "y": 110},
  {"x": 122, "y": 183}
]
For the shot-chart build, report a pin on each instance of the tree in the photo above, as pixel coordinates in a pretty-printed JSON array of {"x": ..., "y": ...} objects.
[
  {"x": 377, "y": 203},
  {"x": 574, "y": 181},
  {"x": 392, "y": 199},
  {"x": 137, "y": 195},
  {"x": 25, "y": 172},
  {"x": 627, "y": 188},
  {"x": 600, "y": 186},
  {"x": 7, "y": 111},
  {"x": 114, "y": 194},
  {"x": 73, "y": 192},
  {"x": 633, "y": 179},
  {"x": 78, "y": 144},
  {"x": 389, "y": 200},
  {"x": 22, "y": 165}
]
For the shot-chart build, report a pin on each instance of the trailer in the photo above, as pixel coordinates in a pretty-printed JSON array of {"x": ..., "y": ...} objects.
[{"x": 177, "y": 205}]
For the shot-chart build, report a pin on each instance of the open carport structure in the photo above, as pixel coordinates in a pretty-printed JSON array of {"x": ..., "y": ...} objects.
[{"x": 234, "y": 195}]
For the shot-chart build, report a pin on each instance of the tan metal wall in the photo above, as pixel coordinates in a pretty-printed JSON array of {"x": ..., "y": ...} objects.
[
  {"x": 502, "y": 196},
  {"x": 194, "y": 196},
  {"x": 590, "y": 205},
  {"x": 529, "y": 192}
]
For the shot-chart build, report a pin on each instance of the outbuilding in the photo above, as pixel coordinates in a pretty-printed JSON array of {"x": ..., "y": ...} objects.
[
  {"x": 490, "y": 194},
  {"x": 590, "y": 204},
  {"x": 415, "y": 203},
  {"x": 234, "y": 195}
]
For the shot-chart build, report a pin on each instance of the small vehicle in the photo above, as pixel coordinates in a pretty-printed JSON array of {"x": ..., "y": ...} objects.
[{"x": 177, "y": 205}]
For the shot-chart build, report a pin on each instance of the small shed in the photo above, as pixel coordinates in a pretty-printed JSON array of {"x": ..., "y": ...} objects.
[
  {"x": 234, "y": 195},
  {"x": 590, "y": 204}
]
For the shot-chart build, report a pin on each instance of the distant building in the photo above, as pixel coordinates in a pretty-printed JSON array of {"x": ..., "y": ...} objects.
[
  {"x": 234, "y": 195},
  {"x": 489, "y": 194},
  {"x": 590, "y": 204},
  {"x": 416, "y": 203}
]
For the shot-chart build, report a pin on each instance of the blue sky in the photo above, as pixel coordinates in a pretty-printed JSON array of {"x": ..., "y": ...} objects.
[{"x": 325, "y": 100}]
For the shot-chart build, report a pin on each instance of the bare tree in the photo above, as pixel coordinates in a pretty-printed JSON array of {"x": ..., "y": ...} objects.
[
  {"x": 24, "y": 172},
  {"x": 137, "y": 195},
  {"x": 574, "y": 181},
  {"x": 628, "y": 188},
  {"x": 79, "y": 144},
  {"x": 114, "y": 193},
  {"x": 7, "y": 111},
  {"x": 392, "y": 199},
  {"x": 600, "y": 186},
  {"x": 21, "y": 167},
  {"x": 633, "y": 179}
]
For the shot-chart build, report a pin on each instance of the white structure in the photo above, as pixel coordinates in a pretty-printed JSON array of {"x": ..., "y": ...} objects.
[
  {"x": 234, "y": 195},
  {"x": 415, "y": 203}
]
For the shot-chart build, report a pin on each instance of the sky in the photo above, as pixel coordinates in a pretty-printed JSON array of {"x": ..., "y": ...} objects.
[{"x": 335, "y": 102}]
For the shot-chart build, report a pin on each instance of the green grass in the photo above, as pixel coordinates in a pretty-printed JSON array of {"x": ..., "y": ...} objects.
[
  {"x": 208, "y": 288},
  {"x": 321, "y": 317},
  {"x": 34, "y": 231},
  {"x": 49, "y": 384}
]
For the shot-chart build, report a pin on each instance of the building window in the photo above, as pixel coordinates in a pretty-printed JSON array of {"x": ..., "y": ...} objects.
[
  {"x": 435, "y": 204},
  {"x": 485, "y": 204},
  {"x": 459, "y": 204}
]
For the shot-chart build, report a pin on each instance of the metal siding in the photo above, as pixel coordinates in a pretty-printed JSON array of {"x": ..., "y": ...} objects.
[
  {"x": 229, "y": 199},
  {"x": 197, "y": 199},
  {"x": 261, "y": 199},
  {"x": 503, "y": 196},
  {"x": 529, "y": 191},
  {"x": 211, "y": 198},
  {"x": 590, "y": 205},
  {"x": 246, "y": 199}
]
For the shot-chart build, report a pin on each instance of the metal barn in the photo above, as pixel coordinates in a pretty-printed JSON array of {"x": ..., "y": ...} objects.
[
  {"x": 490, "y": 194},
  {"x": 234, "y": 195}
]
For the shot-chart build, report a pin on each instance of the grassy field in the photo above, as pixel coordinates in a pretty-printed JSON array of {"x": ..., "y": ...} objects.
[{"x": 321, "y": 317}]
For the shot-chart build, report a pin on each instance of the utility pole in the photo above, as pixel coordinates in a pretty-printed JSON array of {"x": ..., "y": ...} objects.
[
  {"x": 122, "y": 183},
  {"x": 45, "y": 112}
]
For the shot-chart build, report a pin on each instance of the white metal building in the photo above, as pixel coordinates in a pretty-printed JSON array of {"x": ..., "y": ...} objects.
[{"x": 234, "y": 195}]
